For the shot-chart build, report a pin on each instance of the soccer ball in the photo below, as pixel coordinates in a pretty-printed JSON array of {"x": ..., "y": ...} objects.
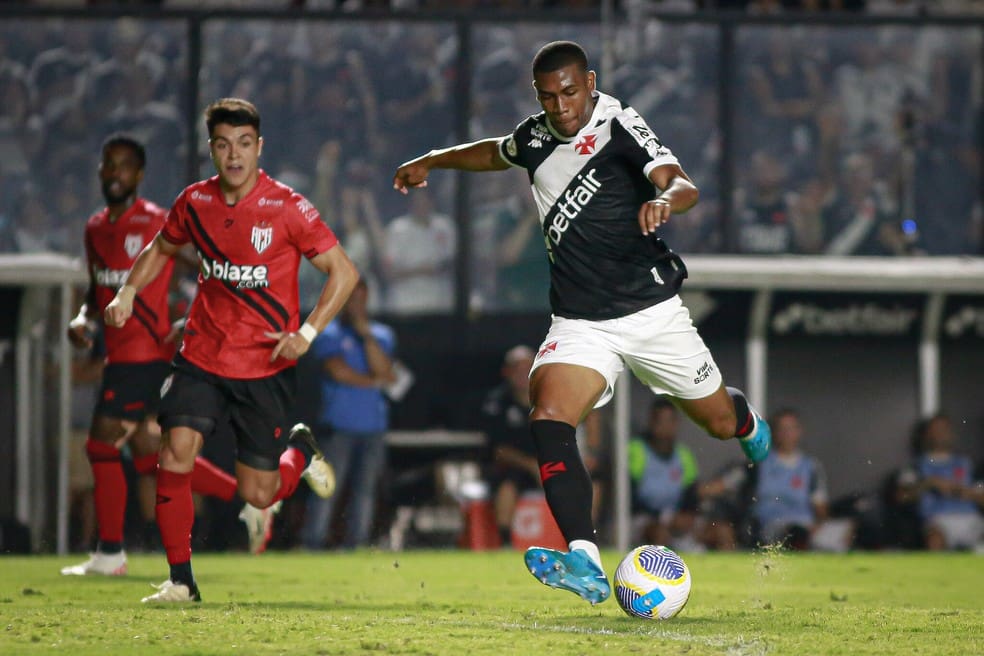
[{"x": 652, "y": 582}]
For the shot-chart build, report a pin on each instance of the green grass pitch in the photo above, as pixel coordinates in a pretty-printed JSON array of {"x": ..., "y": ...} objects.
[{"x": 470, "y": 604}]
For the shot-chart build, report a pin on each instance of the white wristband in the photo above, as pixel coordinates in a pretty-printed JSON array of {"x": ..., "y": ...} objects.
[
  {"x": 308, "y": 332},
  {"x": 128, "y": 292}
]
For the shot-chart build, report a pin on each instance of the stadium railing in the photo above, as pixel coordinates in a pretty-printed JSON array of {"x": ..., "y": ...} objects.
[{"x": 38, "y": 291}]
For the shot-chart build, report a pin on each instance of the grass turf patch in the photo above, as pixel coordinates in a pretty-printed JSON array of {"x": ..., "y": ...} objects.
[{"x": 469, "y": 604}]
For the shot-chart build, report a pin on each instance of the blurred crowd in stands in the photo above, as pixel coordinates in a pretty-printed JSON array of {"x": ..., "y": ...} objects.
[
  {"x": 878, "y": 7},
  {"x": 840, "y": 139}
]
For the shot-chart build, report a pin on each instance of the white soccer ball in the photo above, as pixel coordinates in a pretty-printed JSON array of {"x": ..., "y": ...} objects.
[{"x": 652, "y": 582}]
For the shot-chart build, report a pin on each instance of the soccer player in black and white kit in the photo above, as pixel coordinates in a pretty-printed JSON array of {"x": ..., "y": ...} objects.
[{"x": 603, "y": 184}]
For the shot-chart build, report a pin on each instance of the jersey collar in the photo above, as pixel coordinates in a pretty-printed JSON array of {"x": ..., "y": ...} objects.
[{"x": 600, "y": 99}]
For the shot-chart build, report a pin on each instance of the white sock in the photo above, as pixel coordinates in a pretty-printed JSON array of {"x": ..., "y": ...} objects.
[{"x": 590, "y": 548}]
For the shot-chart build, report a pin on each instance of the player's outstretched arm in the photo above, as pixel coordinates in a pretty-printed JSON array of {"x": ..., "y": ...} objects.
[
  {"x": 148, "y": 264},
  {"x": 678, "y": 195},
  {"x": 342, "y": 276},
  {"x": 476, "y": 156}
]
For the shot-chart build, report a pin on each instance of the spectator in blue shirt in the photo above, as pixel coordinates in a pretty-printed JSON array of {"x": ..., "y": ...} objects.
[
  {"x": 786, "y": 494},
  {"x": 356, "y": 362},
  {"x": 664, "y": 480},
  {"x": 942, "y": 483}
]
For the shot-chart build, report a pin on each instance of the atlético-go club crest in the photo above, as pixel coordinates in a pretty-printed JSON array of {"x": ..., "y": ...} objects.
[
  {"x": 133, "y": 244},
  {"x": 262, "y": 236}
]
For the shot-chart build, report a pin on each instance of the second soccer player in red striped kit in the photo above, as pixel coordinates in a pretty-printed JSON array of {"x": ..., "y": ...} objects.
[
  {"x": 243, "y": 335},
  {"x": 137, "y": 354}
]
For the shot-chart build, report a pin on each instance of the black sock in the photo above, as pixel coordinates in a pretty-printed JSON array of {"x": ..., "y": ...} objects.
[
  {"x": 565, "y": 480},
  {"x": 745, "y": 422},
  {"x": 181, "y": 573},
  {"x": 305, "y": 449},
  {"x": 505, "y": 535},
  {"x": 109, "y": 547}
]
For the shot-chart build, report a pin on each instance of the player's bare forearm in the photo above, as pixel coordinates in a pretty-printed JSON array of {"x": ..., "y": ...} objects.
[
  {"x": 475, "y": 156},
  {"x": 90, "y": 307},
  {"x": 342, "y": 276},
  {"x": 150, "y": 262},
  {"x": 677, "y": 194},
  {"x": 147, "y": 266},
  {"x": 676, "y": 187}
]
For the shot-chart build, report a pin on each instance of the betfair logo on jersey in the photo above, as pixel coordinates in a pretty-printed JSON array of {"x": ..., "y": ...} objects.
[
  {"x": 110, "y": 277},
  {"x": 569, "y": 206},
  {"x": 245, "y": 276}
]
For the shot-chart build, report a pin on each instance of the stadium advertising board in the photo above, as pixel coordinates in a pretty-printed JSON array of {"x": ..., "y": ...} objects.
[{"x": 847, "y": 315}]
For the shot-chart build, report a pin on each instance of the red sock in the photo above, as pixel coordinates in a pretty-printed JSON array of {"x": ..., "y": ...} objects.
[
  {"x": 175, "y": 514},
  {"x": 146, "y": 465},
  {"x": 110, "y": 489},
  {"x": 292, "y": 465},
  {"x": 210, "y": 480}
]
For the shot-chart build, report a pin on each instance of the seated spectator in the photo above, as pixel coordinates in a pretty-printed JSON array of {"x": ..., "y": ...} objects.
[
  {"x": 940, "y": 481},
  {"x": 786, "y": 493},
  {"x": 505, "y": 413},
  {"x": 664, "y": 481}
]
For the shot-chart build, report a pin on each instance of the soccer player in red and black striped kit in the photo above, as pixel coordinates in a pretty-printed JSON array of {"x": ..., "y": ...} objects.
[
  {"x": 243, "y": 335},
  {"x": 137, "y": 354}
]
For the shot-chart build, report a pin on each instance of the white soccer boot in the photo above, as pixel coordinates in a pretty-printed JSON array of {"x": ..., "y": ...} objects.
[
  {"x": 170, "y": 592},
  {"x": 259, "y": 525},
  {"x": 99, "y": 563},
  {"x": 320, "y": 475}
]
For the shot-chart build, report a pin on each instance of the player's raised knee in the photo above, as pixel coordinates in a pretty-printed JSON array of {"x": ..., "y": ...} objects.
[{"x": 258, "y": 495}]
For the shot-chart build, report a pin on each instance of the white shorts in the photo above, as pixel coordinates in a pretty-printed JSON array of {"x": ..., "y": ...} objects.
[{"x": 659, "y": 344}]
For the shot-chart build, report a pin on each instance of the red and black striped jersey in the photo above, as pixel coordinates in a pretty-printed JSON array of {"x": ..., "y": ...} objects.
[
  {"x": 111, "y": 247},
  {"x": 249, "y": 253}
]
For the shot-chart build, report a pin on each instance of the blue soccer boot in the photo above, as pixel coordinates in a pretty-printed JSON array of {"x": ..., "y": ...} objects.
[
  {"x": 756, "y": 444},
  {"x": 573, "y": 571}
]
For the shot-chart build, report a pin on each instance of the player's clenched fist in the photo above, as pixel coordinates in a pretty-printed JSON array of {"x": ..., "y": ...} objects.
[
  {"x": 411, "y": 174},
  {"x": 653, "y": 214},
  {"x": 292, "y": 346},
  {"x": 121, "y": 307}
]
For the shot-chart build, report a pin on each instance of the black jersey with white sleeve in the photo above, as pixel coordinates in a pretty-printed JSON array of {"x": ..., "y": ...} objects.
[{"x": 588, "y": 190}]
